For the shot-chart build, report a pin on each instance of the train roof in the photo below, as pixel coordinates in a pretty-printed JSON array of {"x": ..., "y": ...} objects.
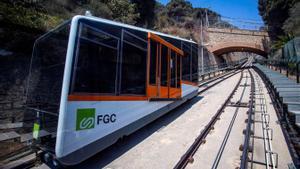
[{"x": 93, "y": 18}]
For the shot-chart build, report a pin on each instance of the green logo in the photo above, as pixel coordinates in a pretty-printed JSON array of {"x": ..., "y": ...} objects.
[
  {"x": 36, "y": 130},
  {"x": 85, "y": 119}
]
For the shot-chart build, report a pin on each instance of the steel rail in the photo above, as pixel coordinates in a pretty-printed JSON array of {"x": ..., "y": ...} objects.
[
  {"x": 205, "y": 82},
  {"x": 229, "y": 129},
  {"x": 188, "y": 156},
  {"x": 244, "y": 159},
  {"x": 224, "y": 77}
]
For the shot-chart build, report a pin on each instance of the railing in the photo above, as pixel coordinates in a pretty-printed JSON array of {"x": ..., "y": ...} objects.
[
  {"x": 289, "y": 67},
  {"x": 211, "y": 70}
]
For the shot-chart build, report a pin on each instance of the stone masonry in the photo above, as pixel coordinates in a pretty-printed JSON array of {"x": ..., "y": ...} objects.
[{"x": 222, "y": 41}]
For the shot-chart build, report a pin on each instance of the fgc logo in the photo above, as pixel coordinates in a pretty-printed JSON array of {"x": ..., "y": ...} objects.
[{"x": 85, "y": 119}]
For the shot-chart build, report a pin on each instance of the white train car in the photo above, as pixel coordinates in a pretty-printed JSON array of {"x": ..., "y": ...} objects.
[{"x": 93, "y": 81}]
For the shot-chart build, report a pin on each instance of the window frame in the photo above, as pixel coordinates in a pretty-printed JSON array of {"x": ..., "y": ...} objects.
[
  {"x": 189, "y": 46},
  {"x": 119, "y": 36},
  {"x": 121, "y": 61},
  {"x": 76, "y": 56}
]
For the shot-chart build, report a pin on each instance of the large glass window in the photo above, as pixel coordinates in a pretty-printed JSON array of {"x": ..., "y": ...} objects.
[
  {"x": 194, "y": 63},
  {"x": 173, "y": 69},
  {"x": 153, "y": 59},
  {"x": 174, "y": 42},
  {"x": 178, "y": 70},
  {"x": 164, "y": 66},
  {"x": 186, "y": 62},
  {"x": 95, "y": 70},
  {"x": 47, "y": 70},
  {"x": 134, "y": 65}
]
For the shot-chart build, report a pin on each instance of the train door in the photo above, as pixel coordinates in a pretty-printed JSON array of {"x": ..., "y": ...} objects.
[{"x": 164, "y": 69}]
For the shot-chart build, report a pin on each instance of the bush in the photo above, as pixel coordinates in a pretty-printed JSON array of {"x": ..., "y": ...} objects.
[{"x": 27, "y": 17}]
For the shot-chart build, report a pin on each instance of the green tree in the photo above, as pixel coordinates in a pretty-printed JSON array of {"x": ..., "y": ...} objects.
[
  {"x": 292, "y": 24},
  {"x": 123, "y": 11},
  {"x": 178, "y": 9},
  {"x": 146, "y": 10},
  {"x": 97, "y": 8},
  {"x": 281, "y": 41},
  {"x": 275, "y": 13}
]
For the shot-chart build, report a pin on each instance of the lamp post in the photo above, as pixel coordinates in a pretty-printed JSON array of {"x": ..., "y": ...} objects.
[{"x": 201, "y": 39}]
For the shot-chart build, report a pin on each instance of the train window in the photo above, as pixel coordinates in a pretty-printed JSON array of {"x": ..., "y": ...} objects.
[
  {"x": 109, "y": 28},
  {"x": 95, "y": 71},
  {"x": 173, "y": 69},
  {"x": 178, "y": 58},
  {"x": 98, "y": 36},
  {"x": 153, "y": 60},
  {"x": 134, "y": 61},
  {"x": 140, "y": 34},
  {"x": 195, "y": 63},
  {"x": 186, "y": 62},
  {"x": 134, "y": 40},
  {"x": 164, "y": 66},
  {"x": 174, "y": 42},
  {"x": 47, "y": 70}
]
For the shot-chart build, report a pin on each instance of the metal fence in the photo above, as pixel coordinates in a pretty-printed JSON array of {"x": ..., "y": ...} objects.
[{"x": 289, "y": 60}]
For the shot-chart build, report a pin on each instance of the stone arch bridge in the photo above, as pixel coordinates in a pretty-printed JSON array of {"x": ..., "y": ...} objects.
[{"x": 222, "y": 41}]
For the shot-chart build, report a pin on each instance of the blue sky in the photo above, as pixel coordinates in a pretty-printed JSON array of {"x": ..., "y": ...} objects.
[{"x": 245, "y": 11}]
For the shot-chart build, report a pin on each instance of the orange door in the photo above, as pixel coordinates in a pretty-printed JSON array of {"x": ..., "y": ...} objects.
[{"x": 164, "y": 69}]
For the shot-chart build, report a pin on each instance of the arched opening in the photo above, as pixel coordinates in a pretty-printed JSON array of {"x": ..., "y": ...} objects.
[{"x": 238, "y": 47}]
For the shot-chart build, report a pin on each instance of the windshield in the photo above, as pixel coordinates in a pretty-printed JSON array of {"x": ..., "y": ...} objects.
[{"x": 47, "y": 68}]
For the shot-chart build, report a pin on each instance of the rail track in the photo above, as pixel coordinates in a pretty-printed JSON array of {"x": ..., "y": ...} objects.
[
  {"x": 213, "y": 82},
  {"x": 201, "y": 139}
]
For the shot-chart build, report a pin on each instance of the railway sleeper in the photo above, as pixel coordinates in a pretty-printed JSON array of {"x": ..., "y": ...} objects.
[
  {"x": 245, "y": 131},
  {"x": 250, "y": 148}
]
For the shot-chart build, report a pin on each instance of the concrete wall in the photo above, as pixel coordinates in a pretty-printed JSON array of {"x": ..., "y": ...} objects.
[
  {"x": 14, "y": 71},
  {"x": 15, "y": 53}
]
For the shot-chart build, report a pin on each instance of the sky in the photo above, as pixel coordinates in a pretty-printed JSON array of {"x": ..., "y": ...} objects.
[{"x": 244, "y": 12}]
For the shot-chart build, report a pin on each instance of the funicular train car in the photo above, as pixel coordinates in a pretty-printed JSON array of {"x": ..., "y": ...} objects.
[{"x": 93, "y": 81}]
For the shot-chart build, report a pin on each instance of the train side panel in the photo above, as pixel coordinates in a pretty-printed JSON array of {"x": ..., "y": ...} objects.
[{"x": 110, "y": 121}]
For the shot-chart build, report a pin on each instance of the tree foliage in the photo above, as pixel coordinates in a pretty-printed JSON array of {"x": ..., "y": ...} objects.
[
  {"x": 146, "y": 10},
  {"x": 282, "y": 40},
  {"x": 123, "y": 11},
  {"x": 275, "y": 13},
  {"x": 151, "y": 14},
  {"x": 292, "y": 24},
  {"x": 178, "y": 17},
  {"x": 178, "y": 9},
  {"x": 119, "y": 10}
]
